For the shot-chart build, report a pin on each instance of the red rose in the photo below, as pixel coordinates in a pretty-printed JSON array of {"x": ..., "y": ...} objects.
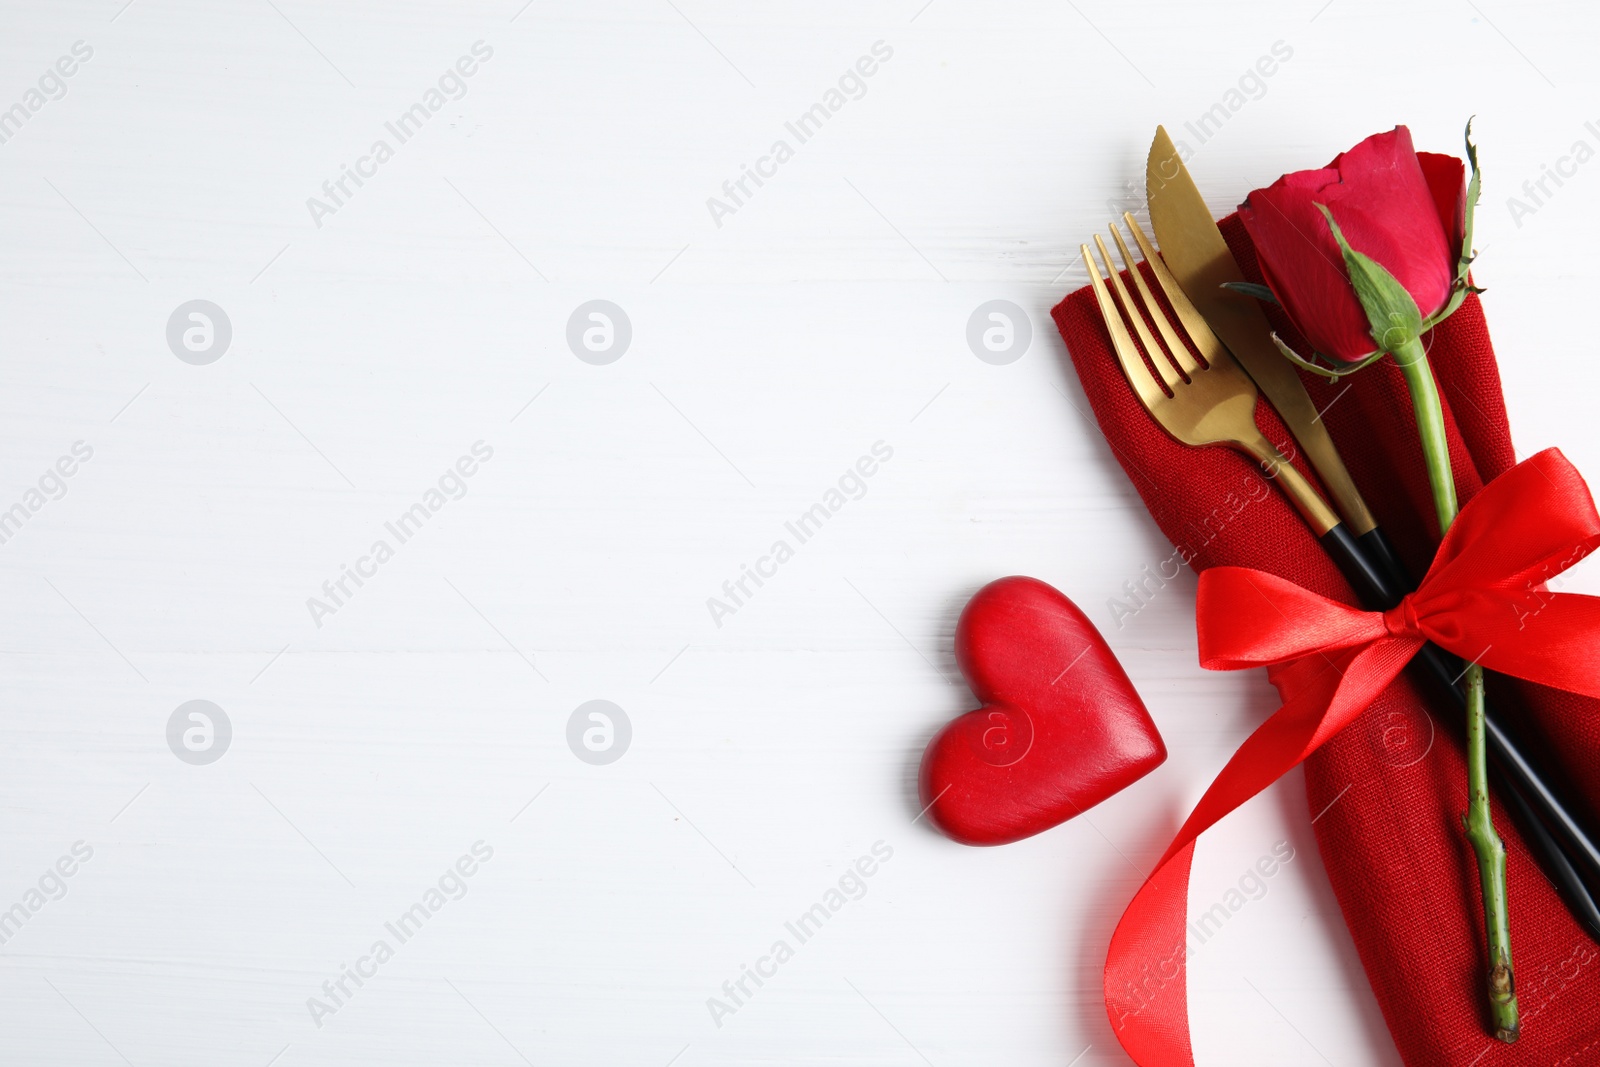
[{"x": 1403, "y": 208}]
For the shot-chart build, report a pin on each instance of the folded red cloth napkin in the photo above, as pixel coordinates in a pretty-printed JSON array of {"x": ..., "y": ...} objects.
[{"x": 1389, "y": 789}]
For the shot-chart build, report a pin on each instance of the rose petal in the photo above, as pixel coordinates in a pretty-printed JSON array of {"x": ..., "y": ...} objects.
[
  {"x": 1386, "y": 209},
  {"x": 1447, "y": 182},
  {"x": 1303, "y": 265}
]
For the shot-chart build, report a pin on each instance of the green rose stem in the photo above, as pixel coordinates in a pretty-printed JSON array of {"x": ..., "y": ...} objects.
[
  {"x": 1486, "y": 843},
  {"x": 1397, "y": 327}
]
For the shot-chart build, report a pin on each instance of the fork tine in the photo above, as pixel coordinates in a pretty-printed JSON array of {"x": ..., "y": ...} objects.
[
  {"x": 1194, "y": 324},
  {"x": 1175, "y": 347},
  {"x": 1133, "y": 365},
  {"x": 1135, "y": 318}
]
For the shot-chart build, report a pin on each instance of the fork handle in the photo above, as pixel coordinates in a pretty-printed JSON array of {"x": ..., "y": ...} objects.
[
  {"x": 1305, "y": 497},
  {"x": 1373, "y": 584},
  {"x": 1380, "y": 550}
]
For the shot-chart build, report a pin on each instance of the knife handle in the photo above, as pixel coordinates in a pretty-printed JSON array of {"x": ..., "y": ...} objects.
[
  {"x": 1565, "y": 850},
  {"x": 1580, "y": 895},
  {"x": 1515, "y": 767}
]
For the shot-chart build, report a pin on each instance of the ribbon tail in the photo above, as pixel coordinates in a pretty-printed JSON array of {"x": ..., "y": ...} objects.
[
  {"x": 1146, "y": 977},
  {"x": 1146, "y": 973}
]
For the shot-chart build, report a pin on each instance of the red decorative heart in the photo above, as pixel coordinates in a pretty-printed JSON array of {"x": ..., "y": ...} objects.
[{"x": 1060, "y": 730}]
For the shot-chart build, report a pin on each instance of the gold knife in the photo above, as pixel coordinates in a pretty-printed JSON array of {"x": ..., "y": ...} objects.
[{"x": 1199, "y": 258}]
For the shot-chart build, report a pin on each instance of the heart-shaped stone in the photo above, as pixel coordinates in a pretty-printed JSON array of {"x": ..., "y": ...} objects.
[{"x": 1060, "y": 729}]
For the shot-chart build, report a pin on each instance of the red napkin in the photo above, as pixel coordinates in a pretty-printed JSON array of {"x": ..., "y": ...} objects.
[{"x": 1390, "y": 802}]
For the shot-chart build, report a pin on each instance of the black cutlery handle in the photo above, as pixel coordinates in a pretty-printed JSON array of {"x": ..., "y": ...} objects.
[
  {"x": 1538, "y": 795},
  {"x": 1566, "y": 852},
  {"x": 1373, "y": 585},
  {"x": 1517, "y": 766},
  {"x": 1377, "y": 547},
  {"x": 1569, "y": 883}
]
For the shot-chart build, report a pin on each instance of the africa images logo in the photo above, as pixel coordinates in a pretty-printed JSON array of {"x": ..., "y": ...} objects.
[
  {"x": 802, "y": 528},
  {"x": 851, "y": 886},
  {"x": 337, "y": 591},
  {"x": 337, "y": 992},
  {"x": 851, "y": 85},
  {"x": 451, "y": 85}
]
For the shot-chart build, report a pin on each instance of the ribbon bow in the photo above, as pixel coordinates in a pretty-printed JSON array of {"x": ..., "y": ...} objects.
[{"x": 1484, "y": 598}]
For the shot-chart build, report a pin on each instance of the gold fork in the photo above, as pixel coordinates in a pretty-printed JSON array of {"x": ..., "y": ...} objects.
[{"x": 1204, "y": 405}]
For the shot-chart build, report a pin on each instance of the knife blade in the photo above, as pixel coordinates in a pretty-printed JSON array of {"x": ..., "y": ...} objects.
[{"x": 1195, "y": 253}]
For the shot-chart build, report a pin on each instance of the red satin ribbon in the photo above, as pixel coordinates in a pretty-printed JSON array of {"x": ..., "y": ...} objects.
[{"x": 1484, "y": 599}]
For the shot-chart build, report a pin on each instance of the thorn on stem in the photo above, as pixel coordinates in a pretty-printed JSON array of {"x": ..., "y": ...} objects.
[{"x": 1503, "y": 997}]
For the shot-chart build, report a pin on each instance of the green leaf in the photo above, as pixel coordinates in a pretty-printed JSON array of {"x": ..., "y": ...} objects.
[
  {"x": 1474, "y": 190},
  {"x": 1300, "y": 361},
  {"x": 1260, "y": 292},
  {"x": 1392, "y": 314},
  {"x": 1330, "y": 369},
  {"x": 1458, "y": 293}
]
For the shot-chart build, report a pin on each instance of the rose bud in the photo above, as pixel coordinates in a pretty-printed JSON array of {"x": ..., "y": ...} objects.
[{"x": 1366, "y": 253}]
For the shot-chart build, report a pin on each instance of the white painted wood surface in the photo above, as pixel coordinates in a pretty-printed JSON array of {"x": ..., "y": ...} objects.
[{"x": 826, "y": 313}]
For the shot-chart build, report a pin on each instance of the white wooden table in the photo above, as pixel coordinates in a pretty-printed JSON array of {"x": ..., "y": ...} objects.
[{"x": 380, "y": 332}]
